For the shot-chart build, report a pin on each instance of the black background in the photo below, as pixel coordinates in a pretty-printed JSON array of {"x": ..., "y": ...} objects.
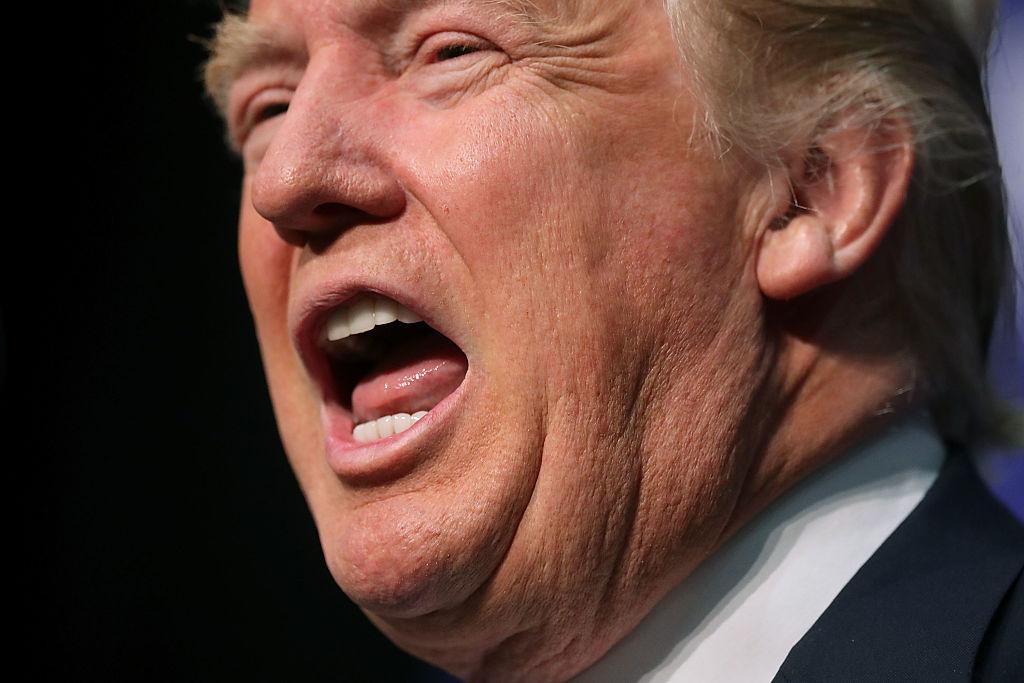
[{"x": 161, "y": 534}]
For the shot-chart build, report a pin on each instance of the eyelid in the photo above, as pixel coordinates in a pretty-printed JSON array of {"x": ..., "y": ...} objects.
[
  {"x": 246, "y": 117},
  {"x": 435, "y": 42},
  {"x": 256, "y": 83},
  {"x": 263, "y": 100}
]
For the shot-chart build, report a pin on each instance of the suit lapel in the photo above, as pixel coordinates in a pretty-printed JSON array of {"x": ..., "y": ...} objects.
[{"x": 920, "y": 606}]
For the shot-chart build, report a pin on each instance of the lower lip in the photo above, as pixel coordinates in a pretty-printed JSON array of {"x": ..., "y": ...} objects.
[{"x": 388, "y": 458}]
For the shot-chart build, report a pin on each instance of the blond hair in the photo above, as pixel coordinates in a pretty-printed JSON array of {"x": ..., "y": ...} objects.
[{"x": 775, "y": 74}]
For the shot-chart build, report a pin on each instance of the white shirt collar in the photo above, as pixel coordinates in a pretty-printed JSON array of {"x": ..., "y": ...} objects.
[{"x": 737, "y": 617}]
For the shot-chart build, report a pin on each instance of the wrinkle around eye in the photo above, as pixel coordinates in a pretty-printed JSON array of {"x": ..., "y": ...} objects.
[
  {"x": 453, "y": 64},
  {"x": 446, "y": 86}
]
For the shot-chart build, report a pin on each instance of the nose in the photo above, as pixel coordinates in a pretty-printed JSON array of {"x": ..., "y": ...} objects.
[{"x": 325, "y": 169}]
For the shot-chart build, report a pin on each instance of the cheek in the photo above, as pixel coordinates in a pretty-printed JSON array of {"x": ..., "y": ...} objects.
[
  {"x": 511, "y": 193},
  {"x": 552, "y": 215},
  {"x": 266, "y": 263}
]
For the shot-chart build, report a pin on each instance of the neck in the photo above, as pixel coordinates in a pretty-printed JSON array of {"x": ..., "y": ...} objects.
[{"x": 829, "y": 402}]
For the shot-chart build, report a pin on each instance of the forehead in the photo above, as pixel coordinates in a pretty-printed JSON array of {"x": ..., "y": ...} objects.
[
  {"x": 551, "y": 17},
  {"x": 282, "y": 29},
  {"x": 297, "y": 9}
]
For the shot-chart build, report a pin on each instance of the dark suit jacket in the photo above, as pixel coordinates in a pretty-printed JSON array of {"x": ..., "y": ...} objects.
[{"x": 941, "y": 600}]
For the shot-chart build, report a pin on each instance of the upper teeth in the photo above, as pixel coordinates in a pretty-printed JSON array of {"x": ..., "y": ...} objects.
[{"x": 365, "y": 313}]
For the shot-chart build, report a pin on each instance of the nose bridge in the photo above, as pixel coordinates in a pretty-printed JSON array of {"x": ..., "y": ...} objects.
[{"x": 325, "y": 159}]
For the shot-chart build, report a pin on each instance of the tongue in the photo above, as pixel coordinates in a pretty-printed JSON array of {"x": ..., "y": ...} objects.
[{"x": 416, "y": 375}]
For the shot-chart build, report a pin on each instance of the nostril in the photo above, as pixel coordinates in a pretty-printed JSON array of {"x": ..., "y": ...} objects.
[
  {"x": 322, "y": 225},
  {"x": 331, "y": 219},
  {"x": 336, "y": 211}
]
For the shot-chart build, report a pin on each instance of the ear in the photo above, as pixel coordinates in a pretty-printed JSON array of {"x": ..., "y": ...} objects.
[{"x": 846, "y": 190}]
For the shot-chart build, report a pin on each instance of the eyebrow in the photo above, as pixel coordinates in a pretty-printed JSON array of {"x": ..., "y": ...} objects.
[{"x": 239, "y": 44}]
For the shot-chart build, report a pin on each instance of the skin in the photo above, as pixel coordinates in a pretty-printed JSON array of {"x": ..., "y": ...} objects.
[{"x": 631, "y": 398}]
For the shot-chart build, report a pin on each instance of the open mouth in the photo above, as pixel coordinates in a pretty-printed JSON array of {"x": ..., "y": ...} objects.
[{"x": 387, "y": 368}]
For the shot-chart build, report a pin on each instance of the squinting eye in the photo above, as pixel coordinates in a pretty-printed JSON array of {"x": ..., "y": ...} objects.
[
  {"x": 270, "y": 111},
  {"x": 455, "y": 51}
]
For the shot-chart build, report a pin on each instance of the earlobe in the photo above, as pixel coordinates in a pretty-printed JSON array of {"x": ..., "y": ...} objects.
[{"x": 847, "y": 190}]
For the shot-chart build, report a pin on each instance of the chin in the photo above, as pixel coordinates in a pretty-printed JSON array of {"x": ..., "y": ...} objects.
[{"x": 409, "y": 555}]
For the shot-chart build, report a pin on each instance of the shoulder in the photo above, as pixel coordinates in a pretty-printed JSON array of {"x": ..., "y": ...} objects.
[{"x": 941, "y": 599}]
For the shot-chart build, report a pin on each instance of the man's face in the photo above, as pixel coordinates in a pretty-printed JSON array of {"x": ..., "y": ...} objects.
[{"x": 527, "y": 185}]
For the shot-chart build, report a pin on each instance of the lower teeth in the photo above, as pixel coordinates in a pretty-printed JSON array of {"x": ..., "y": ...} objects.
[{"x": 385, "y": 426}]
